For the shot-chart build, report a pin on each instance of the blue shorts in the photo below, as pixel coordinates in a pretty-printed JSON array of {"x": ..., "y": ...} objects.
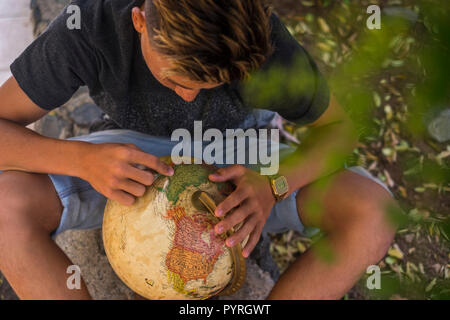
[{"x": 84, "y": 206}]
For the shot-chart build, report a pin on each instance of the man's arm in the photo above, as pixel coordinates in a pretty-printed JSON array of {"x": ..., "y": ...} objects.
[
  {"x": 332, "y": 138},
  {"x": 110, "y": 168},
  {"x": 22, "y": 149}
]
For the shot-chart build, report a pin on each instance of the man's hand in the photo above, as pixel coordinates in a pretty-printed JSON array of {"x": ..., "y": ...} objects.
[
  {"x": 252, "y": 201},
  {"x": 111, "y": 170}
]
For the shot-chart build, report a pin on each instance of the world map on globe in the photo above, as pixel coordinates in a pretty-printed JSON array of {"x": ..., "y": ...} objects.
[{"x": 164, "y": 246}]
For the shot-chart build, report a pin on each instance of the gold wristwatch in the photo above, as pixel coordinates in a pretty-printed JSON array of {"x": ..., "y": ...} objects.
[{"x": 279, "y": 186}]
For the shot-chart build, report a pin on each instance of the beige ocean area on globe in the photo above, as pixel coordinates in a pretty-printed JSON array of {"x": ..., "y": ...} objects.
[{"x": 164, "y": 246}]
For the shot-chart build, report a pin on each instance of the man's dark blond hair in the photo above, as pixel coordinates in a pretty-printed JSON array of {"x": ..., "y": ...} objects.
[{"x": 213, "y": 41}]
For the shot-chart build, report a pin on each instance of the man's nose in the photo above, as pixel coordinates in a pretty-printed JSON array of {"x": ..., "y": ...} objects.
[{"x": 187, "y": 95}]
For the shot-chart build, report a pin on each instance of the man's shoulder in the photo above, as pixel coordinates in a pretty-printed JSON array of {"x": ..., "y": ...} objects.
[
  {"x": 102, "y": 26},
  {"x": 95, "y": 6},
  {"x": 100, "y": 15}
]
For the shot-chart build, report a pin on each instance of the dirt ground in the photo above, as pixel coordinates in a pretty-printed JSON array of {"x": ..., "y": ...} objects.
[{"x": 417, "y": 265}]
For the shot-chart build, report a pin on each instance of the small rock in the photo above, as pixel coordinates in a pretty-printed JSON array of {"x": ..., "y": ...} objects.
[
  {"x": 261, "y": 255},
  {"x": 257, "y": 285},
  {"x": 52, "y": 126},
  {"x": 86, "y": 114},
  {"x": 409, "y": 238},
  {"x": 437, "y": 267},
  {"x": 439, "y": 127}
]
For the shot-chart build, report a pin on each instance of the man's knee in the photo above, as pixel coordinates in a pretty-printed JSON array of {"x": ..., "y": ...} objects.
[
  {"x": 353, "y": 205},
  {"x": 368, "y": 208},
  {"x": 28, "y": 200}
]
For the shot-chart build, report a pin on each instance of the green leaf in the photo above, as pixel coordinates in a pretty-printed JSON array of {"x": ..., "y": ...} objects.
[
  {"x": 431, "y": 285},
  {"x": 395, "y": 252},
  {"x": 390, "y": 260},
  {"x": 377, "y": 99},
  {"x": 301, "y": 247}
]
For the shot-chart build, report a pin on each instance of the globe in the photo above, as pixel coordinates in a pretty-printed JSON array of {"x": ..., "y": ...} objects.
[{"x": 164, "y": 246}]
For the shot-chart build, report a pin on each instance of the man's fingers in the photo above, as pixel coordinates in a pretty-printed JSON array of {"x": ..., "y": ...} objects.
[
  {"x": 253, "y": 240},
  {"x": 232, "y": 173},
  {"x": 243, "y": 232},
  {"x": 230, "y": 202},
  {"x": 152, "y": 162},
  {"x": 233, "y": 219},
  {"x": 142, "y": 176},
  {"x": 133, "y": 188},
  {"x": 122, "y": 197}
]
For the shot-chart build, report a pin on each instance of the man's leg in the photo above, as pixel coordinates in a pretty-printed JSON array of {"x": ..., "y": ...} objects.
[
  {"x": 353, "y": 215},
  {"x": 33, "y": 264}
]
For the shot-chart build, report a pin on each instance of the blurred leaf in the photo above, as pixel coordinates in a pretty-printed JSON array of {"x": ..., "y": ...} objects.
[
  {"x": 430, "y": 285},
  {"x": 395, "y": 252},
  {"x": 301, "y": 247}
]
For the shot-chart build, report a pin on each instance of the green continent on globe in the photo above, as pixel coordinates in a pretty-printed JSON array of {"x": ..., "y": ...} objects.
[{"x": 185, "y": 176}]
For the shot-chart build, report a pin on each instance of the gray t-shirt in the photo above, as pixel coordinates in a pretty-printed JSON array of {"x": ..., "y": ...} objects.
[{"x": 105, "y": 55}]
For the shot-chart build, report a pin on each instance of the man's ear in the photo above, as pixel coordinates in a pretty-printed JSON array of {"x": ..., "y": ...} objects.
[{"x": 138, "y": 17}]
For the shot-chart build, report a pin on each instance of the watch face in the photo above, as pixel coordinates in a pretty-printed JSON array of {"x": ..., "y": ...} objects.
[{"x": 281, "y": 185}]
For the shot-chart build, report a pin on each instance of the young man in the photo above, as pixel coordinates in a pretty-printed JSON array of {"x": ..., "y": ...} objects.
[{"x": 153, "y": 67}]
